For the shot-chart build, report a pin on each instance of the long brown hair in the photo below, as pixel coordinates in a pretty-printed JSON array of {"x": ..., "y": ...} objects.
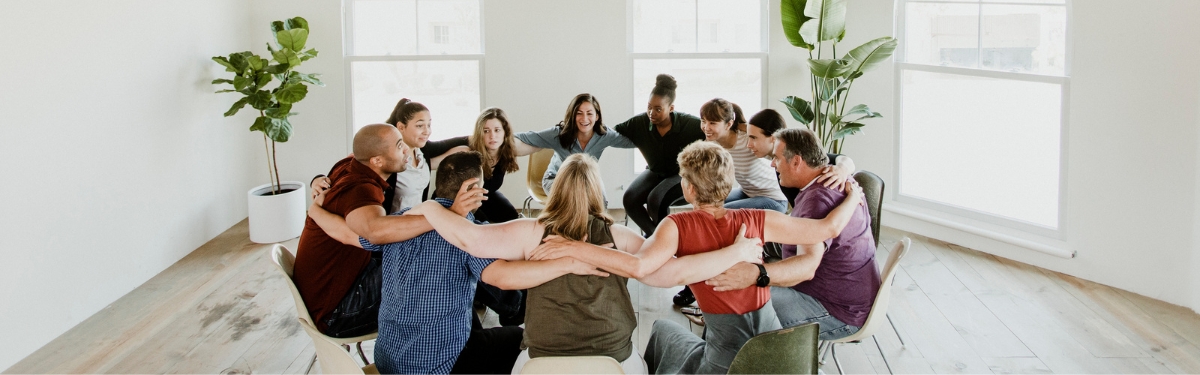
[
  {"x": 507, "y": 154},
  {"x": 569, "y": 129},
  {"x": 575, "y": 197}
]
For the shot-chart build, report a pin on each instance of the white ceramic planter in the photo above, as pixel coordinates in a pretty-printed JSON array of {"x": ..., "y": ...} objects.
[{"x": 276, "y": 218}]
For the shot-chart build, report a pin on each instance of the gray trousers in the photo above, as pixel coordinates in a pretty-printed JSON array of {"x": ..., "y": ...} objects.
[{"x": 674, "y": 349}]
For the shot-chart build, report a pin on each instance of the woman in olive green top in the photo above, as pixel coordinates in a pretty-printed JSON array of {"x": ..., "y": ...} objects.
[{"x": 571, "y": 315}]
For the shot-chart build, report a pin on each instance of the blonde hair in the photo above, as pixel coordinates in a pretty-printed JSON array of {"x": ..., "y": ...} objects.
[
  {"x": 575, "y": 198},
  {"x": 506, "y": 154},
  {"x": 709, "y": 169}
]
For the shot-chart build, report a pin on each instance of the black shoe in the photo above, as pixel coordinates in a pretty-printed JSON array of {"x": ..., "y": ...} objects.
[{"x": 684, "y": 297}]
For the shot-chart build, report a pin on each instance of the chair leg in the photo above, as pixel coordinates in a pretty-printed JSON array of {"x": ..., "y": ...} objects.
[
  {"x": 311, "y": 362},
  {"x": 889, "y": 318},
  {"x": 835, "y": 360},
  {"x": 525, "y": 207},
  {"x": 885, "y": 361},
  {"x": 362, "y": 355},
  {"x": 824, "y": 348}
]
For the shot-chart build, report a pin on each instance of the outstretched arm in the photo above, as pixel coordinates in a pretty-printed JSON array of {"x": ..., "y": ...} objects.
[
  {"x": 785, "y": 229},
  {"x": 655, "y": 251},
  {"x": 333, "y": 225},
  {"x": 699, "y": 267},
  {"x": 836, "y": 174},
  {"x": 435, "y": 161},
  {"x": 508, "y": 240},
  {"x": 525, "y": 274},
  {"x": 521, "y": 148}
]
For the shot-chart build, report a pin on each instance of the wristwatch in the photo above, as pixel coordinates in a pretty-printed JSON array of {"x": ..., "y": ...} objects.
[{"x": 763, "y": 279}]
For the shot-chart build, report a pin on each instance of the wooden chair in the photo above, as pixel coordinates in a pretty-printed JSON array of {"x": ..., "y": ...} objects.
[
  {"x": 879, "y": 310},
  {"x": 538, "y": 162},
  {"x": 573, "y": 365},
  {"x": 785, "y": 351},
  {"x": 872, "y": 187},
  {"x": 285, "y": 263}
]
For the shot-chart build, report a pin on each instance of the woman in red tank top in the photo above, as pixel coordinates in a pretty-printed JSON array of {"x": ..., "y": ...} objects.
[{"x": 708, "y": 240}]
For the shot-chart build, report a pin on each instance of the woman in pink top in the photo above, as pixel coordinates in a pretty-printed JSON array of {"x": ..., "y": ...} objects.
[{"x": 730, "y": 317}]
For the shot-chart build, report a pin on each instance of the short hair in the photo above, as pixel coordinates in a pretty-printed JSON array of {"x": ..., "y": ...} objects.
[
  {"x": 803, "y": 142},
  {"x": 569, "y": 131},
  {"x": 709, "y": 169},
  {"x": 405, "y": 110},
  {"x": 457, "y": 168},
  {"x": 719, "y": 110},
  {"x": 664, "y": 86},
  {"x": 368, "y": 141},
  {"x": 769, "y": 121}
]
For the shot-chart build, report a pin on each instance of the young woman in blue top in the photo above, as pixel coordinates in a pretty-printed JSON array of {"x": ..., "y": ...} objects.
[{"x": 581, "y": 131}]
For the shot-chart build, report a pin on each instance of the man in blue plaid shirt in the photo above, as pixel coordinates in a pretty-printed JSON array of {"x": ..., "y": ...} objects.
[{"x": 425, "y": 323}]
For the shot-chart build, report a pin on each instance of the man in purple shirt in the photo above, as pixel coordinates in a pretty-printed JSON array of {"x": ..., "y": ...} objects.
[{"x": 832, "y": 283}]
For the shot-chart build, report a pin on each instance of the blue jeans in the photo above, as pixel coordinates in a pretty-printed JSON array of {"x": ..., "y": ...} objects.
[
  {"x": 794, "y": 308},
  {"x": 738, "y": 199},
  {"x": 674, "y": 349}
]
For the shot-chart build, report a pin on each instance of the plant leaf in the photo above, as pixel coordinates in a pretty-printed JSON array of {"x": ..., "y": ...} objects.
[
  {"x": 225, "y": 62},
  {"x": 827, "y": 88},
  {"x": 791, "y": 13},
  {"x": 256, "y": 62},
  {"x": 263, "y": 80},
  {"x": 829, "y": 17},
  {"x": 309, "y": 54},
  {"x": 241, "y": 82},
  {"x": 847, "y": 129},
  {"x": 292, "y": 93},
  {"x": 293, "y": 39},
  {"x": 282, "y": 111},
  {"x": 297, "y": 23},
  {"x": 800, "y": 109},
  {"x": 239, "y": 61},
  {"x": 233, "y": 110},
  {"x": 286, "y": 57},
  {"x": 221, "y": 80},
  {"x": 869, "y": 55},
  {"x": 278, "y": 129},
  {"x": 308, "y": 78},
  {"x": 277, "y": 26},
  {"x": 276, "y": 69},
  {"x": 260, "y": 124},
  {"x": 260, "y": 100},
  {"x": 828, "y": 68}
]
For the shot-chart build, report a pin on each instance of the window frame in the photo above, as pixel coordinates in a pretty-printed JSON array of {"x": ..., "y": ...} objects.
[
  {"x": 349, "y": 59},
  {"x": 901, "y": 65},
  {"x": 763, "y": 55}
]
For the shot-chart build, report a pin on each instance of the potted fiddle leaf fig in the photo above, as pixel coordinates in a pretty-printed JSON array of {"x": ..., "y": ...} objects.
[
  {"x": 276, "y": 208},
  {"x": 818, "y": 26}
]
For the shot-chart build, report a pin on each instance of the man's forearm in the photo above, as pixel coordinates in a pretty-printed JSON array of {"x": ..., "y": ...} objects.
[
  {"x": 797, "y": 269},
  {"x": 523, "y": 274},
  {"x": 395, "y": 228}
]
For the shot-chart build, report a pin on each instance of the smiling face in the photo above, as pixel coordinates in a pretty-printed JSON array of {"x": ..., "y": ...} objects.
[
  {"x": 395, "y": 160},
  {"x": 759, "y": 143},
  {"x": 585, "y": 117},
  {"x": 789, "y": 170},
  {"x": 416, "y": 130},
  {"x": 493, "y": 134},
  {"x": 715, "y": 129},
  {"x": 659, "y": 110}
]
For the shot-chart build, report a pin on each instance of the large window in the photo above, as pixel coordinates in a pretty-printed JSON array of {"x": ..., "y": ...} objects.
[
  {"x": 430, "y": 51},
  {"x": 983, "y": 87},
  {"x": 714, "y": 48}
]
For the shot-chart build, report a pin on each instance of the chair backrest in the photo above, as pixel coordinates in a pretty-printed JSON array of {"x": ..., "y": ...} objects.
[
  {"x": 333, "y": 357},
  {"x": 878, "y": 316},
  {"x": 573, "y": 365},
  {"x": 872, "y": 187},
  {"x": 285, "y": 263},
  {"x": 538, "y": 162},
  {"x": 785, "y": 351}
]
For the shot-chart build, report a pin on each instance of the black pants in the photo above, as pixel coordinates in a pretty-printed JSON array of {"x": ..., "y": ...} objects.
[
  {"x": 489, "y": 351},
  {"x": 648, "y": 199},
  {"x": 496, "y": 209},
  {"x": 358, "y": 312}
]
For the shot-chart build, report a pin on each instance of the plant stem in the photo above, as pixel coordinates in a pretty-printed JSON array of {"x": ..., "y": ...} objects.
[
  {"x": 274, "y": 163},
  {"x": 267, "y": 147}
]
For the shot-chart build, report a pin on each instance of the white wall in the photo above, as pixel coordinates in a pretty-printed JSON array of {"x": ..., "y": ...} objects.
[
  {"x": 118, "y": 161},
  {"x": 1132, "y": 164}
]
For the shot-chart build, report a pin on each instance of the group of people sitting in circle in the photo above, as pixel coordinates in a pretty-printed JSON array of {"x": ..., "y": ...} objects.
[{"x": 377, "y": 255}]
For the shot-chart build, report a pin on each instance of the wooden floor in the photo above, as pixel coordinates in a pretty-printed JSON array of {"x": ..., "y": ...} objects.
[{"x": 224, "y": 309}]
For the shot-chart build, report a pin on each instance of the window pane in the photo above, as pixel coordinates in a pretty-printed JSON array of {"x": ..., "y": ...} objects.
[
  {"x": 664, "y": 26},
  {"x": 983, "y": 144},
  {"x": 1027, "y": 1},
  {"x": 729, "y": 25},
  {"x": 449, "y": 88},
  {"x": 384, "y": 27},
  {"x": 942, "y": 34},
  {"x": 700, "y": 80},
  {"x": 449, "y": 27},
  {"x": 1025, "y": 38}
]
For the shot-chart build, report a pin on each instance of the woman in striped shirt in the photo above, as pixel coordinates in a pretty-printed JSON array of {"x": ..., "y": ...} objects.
[{"x": 758, "y": 184}]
